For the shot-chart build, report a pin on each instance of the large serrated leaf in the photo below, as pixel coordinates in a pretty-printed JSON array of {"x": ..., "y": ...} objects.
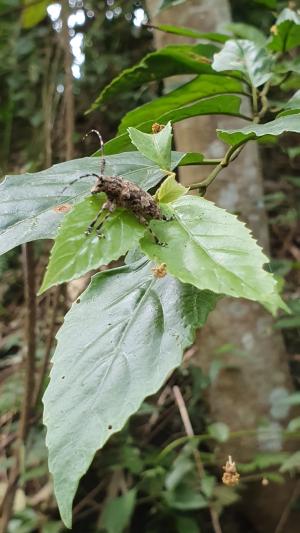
[
  {"x": 247, "y": 57},
  {"x": 253, "y": 131},
  {"x": 171, "y": 60},
  {"x": 211, "y": 249},
  {"x": 215, "y": 105},
  {"x": 116, "y": 347},
  {"x": 74, "y": 253},
  {"x": 200, "y": 87},
  {"x": 28, "y": 202}
]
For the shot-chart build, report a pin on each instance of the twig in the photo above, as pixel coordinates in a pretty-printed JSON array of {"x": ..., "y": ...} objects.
[
  {"x": 68, "y": 94},
  {"x": 286, "y": 511},
  {"x": 86, "y": 498},
  {"x": 199, "y": 465},
  {"x": 41, "y": 377},
  {"x": 254, "y": 102},
  {"x": 230, "y": 156},
  {"x": 30, "y": 326}
]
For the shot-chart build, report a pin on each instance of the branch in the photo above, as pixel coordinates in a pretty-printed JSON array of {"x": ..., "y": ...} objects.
[
  {"x": 68, "y": 94},
  {"x": 44, "y": 367},
  {"x": 199, "y": 465},
  {"x": 230, "y": 156},
  {"x": 30, "y": 326},
  {"x": 286, "y": 511}
]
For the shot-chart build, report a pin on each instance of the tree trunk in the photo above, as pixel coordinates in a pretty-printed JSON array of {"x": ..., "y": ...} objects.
[{"x": 243, "y": 393}]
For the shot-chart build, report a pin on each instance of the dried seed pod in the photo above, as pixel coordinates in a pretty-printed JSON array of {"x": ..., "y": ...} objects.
[
  {"x": 159, "y": 271},
  {"x": 231, "y": 476},
  {"x": 156, "y": 128}
]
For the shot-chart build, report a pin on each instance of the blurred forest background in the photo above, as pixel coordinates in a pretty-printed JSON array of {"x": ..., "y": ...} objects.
[{"x": 55, "y": 58}]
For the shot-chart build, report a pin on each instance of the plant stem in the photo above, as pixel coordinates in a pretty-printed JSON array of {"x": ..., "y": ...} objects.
[
  {"x": 30, "y": 326},
  {"x": 41, "y": 377},
  {"x": 199, "y": 465},
  {"x": 254, "y": 102},
  {"x": 284, "y": 517},
  {"x": 230, "y": 155},
  {"x": 264, "y": 100}
]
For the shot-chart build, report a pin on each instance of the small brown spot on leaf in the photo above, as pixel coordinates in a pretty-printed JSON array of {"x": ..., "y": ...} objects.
[
  {"x": 109, "y": 427},
  {"x": 63, "y": 208}
]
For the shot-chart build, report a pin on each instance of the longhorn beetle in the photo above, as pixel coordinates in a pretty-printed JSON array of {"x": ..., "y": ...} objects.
[{"x": 120, "y": 193}]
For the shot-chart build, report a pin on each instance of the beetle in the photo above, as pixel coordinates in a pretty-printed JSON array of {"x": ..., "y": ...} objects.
[{"x": 120, "y": 193}]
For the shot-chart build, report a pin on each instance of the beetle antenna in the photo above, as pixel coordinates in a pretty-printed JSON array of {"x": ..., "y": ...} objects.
[{"x": 102, "y": 160}]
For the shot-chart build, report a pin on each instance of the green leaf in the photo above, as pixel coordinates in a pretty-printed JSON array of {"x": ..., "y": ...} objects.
[
  {"x": 294, "y": 424},
  {"x": 117, "y": 512},
  {"x": 288, "y": 65},
  {"x": 116, "y": 346},
  {"x": 188, "y": 32},
  {"x": 212, "y": 249},
  {"x": 271, "y": 4},
  {"x": 182, "y": 466},
  {"x": 286, "y": 31},
  {"x": 28, "y": 202},
  {"x": 74, "y": 253},
  {"x": 254, "y": 131},
  {"x": 292, "y": 399},
  {"x": 171, "y": 60},
  {"x": 184, "y": 498},
  {"x": 170, "y": 190},
  {"x": 246, "y": 31},
  {"x": 219, "y": 431},
  {"x": 200, "y": 87},
  {"x": 266, "y": 460},
  {"x": 186, "y": 524},
  {"x": 247, "y": 57},
  {"x": 33, "y": 14},
  {"x": 216, "y": 105},
  {"x": 154, "y": 146},
  {"x": 293, "y": 102},
  {"x": 292, "y": 463}
]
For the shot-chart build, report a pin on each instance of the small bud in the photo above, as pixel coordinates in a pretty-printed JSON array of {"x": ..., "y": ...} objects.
[
  {"x": 159, "y": 271},
  {"x": 265, "y": 481},
  {"x": 156, "y": 128},
  {"x": 231, "y": 476},
  {"x": 274, "y": 29}
]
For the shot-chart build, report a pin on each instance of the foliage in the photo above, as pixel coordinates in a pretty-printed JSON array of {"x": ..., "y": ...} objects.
[{"x": 128, "y": 331}]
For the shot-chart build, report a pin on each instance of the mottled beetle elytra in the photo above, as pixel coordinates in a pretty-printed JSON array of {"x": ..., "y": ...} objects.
[{"x": 120, "y": 193}]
